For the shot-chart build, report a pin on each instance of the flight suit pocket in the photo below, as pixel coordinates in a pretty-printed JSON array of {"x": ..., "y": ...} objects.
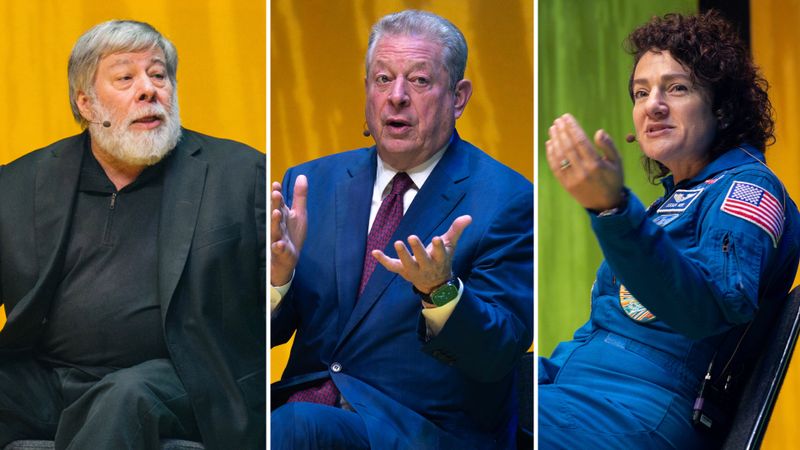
[
  {"x": 740, "y": 276},
  {"x": 730, "y": 263}
]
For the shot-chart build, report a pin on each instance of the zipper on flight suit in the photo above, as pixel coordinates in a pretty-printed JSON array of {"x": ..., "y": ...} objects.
[
  {"x": 728, "y": 252},
  {"x": 726, "y": 246}
]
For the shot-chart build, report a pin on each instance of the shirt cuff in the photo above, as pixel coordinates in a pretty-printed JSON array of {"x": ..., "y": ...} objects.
[
  {"x": 435, "y": 318},
  {"x": 276, "y": 294}
]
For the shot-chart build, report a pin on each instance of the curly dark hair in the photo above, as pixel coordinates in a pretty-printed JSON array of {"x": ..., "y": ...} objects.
[{"x": 707, "y": 46}]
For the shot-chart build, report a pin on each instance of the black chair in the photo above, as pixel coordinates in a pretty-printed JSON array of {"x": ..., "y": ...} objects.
[
  {"x": 761, "y": 390},
  {"x": 525, "y": 402},
  {"x": 166, "y": 444}
]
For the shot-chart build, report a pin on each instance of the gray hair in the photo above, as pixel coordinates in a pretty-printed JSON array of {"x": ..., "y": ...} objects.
[
  {"x": 422, "y": 23},
  {"x": 114, "y": 36}
]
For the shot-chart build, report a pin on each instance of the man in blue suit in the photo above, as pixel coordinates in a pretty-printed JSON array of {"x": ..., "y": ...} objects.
[{"x": 405, "y": 269}]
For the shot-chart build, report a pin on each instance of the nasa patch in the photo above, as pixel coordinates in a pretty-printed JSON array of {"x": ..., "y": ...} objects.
[
  {"x": 680, "y": 201},
  {"x": 633, "y": 308}
]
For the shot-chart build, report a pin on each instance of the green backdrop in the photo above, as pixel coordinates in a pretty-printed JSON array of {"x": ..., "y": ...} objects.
[{"x": 583, "y": 70}]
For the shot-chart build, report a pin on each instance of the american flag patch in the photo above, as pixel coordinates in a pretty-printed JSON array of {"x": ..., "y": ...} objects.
[{"x": 755, "y": 205}]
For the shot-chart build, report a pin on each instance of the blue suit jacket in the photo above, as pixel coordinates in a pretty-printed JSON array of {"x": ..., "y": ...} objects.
[{"x": 456, "y": 389}]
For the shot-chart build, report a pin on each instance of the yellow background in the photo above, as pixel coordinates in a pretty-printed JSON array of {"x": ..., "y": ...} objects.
[
  {"x": 317, "y": 81},
  {"x": 774, "y": 44},
  {"x": 221, "y": 71}
]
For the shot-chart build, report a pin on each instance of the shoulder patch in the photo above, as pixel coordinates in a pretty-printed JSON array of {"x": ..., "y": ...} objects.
[
  {"x": 633, "y": 308},
  {"x": 665, "y": 220},
  {"x": 756, "y": 205},
  {"x": 680, "y": 200}
]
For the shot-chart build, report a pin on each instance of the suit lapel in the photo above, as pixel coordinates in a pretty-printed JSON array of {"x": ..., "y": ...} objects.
[
  {"x": 184, "y": 181},
  {"x": 353, "y": 201},
  {"x": 56, "y": 184},
  {"x": 440, "y": 194}
]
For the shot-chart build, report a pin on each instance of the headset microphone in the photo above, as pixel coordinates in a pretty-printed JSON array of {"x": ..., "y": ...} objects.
[
  {"x": 104, "y": 123},
  {"x": 630, "y": 138},
  {"x": 366, "y": 133}
]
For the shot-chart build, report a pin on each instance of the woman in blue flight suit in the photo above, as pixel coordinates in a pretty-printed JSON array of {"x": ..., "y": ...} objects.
[{"x": 685, "y": 275}]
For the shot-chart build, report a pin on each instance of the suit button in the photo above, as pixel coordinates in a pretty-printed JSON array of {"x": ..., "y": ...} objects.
[{"x": 336, "y": 367}]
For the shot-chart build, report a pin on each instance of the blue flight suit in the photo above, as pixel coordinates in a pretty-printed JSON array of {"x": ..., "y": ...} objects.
[{"x": 678, "y": 276}]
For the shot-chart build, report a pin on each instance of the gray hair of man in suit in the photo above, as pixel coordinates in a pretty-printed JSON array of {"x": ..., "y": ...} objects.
[
  {"x": 114, "y": 36},
  {"x": 422, "y": 23}
]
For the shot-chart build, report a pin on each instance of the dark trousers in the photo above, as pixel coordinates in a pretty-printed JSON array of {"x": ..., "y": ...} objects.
[
  {"x": 309, "y": 426},
  {"x": 94, "y": 408}
]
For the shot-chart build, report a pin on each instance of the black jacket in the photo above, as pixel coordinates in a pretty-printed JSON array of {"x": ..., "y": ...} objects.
[{"x": 211, "y": 270}]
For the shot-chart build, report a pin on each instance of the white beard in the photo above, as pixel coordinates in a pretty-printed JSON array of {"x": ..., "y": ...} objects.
[{"x": 137, "y": 147}]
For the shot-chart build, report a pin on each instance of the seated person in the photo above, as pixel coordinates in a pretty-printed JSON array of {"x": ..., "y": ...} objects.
[
  {"x": 684, "y": 277},
  {"x": 399, "y": 348},
  {"x": 133, "y": 267}
]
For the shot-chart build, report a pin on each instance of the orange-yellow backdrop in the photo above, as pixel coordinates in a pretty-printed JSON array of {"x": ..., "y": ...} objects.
[
  {"x": 221, "y": 74},
  {"x": 317, "y": 89},
  {"x": 774, "y": 42}
]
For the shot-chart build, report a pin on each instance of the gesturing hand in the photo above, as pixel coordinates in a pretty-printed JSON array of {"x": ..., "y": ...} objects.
[
  {"x": 426, "y": 267},
  {"x": 288, "y": 230},
  {"x": 595, "y": 181}
]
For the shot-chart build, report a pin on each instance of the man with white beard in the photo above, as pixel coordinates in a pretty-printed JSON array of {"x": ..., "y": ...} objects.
[{"x": 132, "y": 267}]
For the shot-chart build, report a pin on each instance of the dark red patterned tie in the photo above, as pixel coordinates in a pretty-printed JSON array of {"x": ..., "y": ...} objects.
[
  {"x": 389, "y": 215},
  {"x": 386, "y": 221},
  {"x": 324, "y": 394}
]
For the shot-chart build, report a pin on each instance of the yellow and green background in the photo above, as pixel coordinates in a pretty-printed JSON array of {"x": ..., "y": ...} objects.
[{"x": 317, "y": 98}]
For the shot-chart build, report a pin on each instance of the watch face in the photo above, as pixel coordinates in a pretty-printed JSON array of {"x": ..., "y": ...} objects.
[{"x": 444, "y": 294}]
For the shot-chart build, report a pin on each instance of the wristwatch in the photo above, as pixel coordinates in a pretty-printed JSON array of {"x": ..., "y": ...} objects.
[{"x": 441, "y": 295}]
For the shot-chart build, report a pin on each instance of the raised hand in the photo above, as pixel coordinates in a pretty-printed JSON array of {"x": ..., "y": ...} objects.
[
  {"x": 594, "y": 179},
  {"x": 426, "y": 267},
  {"x": 288, "y": 230}
]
